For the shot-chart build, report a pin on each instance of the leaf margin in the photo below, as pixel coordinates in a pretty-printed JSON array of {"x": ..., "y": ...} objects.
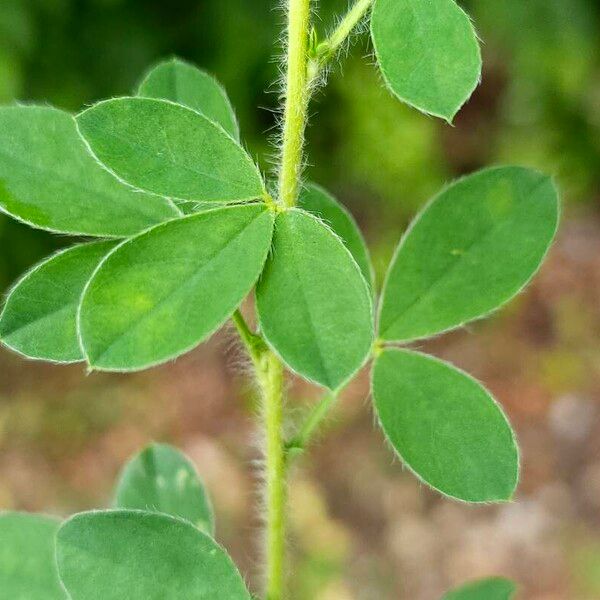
[
  {"x": 449, "y": 119},
  {"x": 480, "y": 385},
  {"x": 175, "y": 200},
  {"x": 420, "y": 213}
]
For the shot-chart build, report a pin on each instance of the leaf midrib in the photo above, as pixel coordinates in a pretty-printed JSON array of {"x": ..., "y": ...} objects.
[{"x": 311, "y": 324}]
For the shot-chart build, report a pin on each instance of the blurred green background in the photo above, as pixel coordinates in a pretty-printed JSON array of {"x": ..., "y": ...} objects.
[{"x": 363, "y": 528}]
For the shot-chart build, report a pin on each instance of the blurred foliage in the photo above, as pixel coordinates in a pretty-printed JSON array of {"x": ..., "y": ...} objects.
[{"x": 538, "y": 104}]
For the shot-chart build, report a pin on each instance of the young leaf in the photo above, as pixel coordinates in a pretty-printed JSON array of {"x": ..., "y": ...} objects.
[
  {"x": 471, "y": 250},
  {"x": 27, "y": 566},
  {"x": 39, "y": 317},
  {"x": 162, "y": 479},
  {"x": 315, "y": 200},
  {"x": 185, "y": 84},
  {"x": 161, "y": 293},
  {"x": 169, "y": 149},
  {"x": 313, "y": 304},
  {"x": 445, "y": 426},
  {"x": 428, "y": 53},
  {"x": 493, "y": 588},
  {"x": 49, "y": 180},
  {"x": 111, "y": 555}
]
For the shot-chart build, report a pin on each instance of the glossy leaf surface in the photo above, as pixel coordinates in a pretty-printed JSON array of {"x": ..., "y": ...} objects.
[
  {"x": 162, "y": 479},
  {"x": 49, "y": 180},
  {"x": 428, "y": 53},
  {"x": 169, "y": 149},
  {"x": 185, "y": 84},
  {"x": 39, "y": 318},
  {"x": 445, "y": 426},
  {"x": 313, "y": 303},
  {"x": 470, "y": 250},
  {"x": 317, "y": 201},
  {"x": 27, "y": 566},
  {"x": 111, "y": 555},
  {"x": 161, "y": 293}
]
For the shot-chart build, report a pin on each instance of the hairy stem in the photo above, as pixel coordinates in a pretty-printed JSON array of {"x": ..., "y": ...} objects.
[
  {"x": 269, "y": 373},
  {"x": 271, "y": 381},
  {"x": 296, "y": 101},
  {"x": 327, "y": 49},
  {"x": 314, "y": 420},
  {"x": 300, "y": 75},
  {"x": 352, "y": 18}
]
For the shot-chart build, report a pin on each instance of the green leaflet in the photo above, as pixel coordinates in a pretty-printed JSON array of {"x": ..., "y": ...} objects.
[
  {"x": 49, "y": 180},
  {"x": 39, "y": 317},
  {"x": 314, "y": 199},
  {"x": 428, "y": 53},
  {"x": 445, "y": 426},
  {"x": 162, "y": 479},
  {"x": 185, "y": 84},
  {"x": 169, "y": 149},
  {"x": 471, "y": 250},
  {"x": 161, "y": 293},
  {"x": 27, "y": 567},
  {"x": 493, "y": 588},
  {"x": 190, "y": 208},
  {"x": 313, "y": 304},
  {"x": 112, "y": 555}
]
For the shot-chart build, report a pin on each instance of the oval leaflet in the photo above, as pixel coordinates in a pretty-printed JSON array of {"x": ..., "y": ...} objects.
[
  {"x": 445, "y": 426},
  {"x": 470, "y": 250},
  {"x": 162, "y": 479},
  {"x": 428, "y": 53},
  {"x": 161, "y": 293},
  {"x": 169, "y": 149},
  {"x": 111, "y": 555},
  {"x": 297, "y": 299}
]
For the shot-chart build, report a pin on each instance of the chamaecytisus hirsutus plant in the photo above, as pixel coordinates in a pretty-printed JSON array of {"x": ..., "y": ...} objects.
[{"x": 185, "y": 227}]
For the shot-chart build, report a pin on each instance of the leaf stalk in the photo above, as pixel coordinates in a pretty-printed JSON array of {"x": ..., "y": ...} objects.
[
  {"x": 298, "y": 444},
  {"x": 326, "y": 50}
]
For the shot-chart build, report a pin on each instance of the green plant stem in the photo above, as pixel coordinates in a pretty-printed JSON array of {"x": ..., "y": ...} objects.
[
  {"x": 269, "y": 373},
  {"x": 345, "y": 27},
  {"x": 300, "y": 76},
  {"x": 271, "y": 381},
  {"x": 253, "y": 343},
  {"x": 296, "y": 101},
  {"x": 314, "y": 420},
  {"x": 327, "y": 49}
]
